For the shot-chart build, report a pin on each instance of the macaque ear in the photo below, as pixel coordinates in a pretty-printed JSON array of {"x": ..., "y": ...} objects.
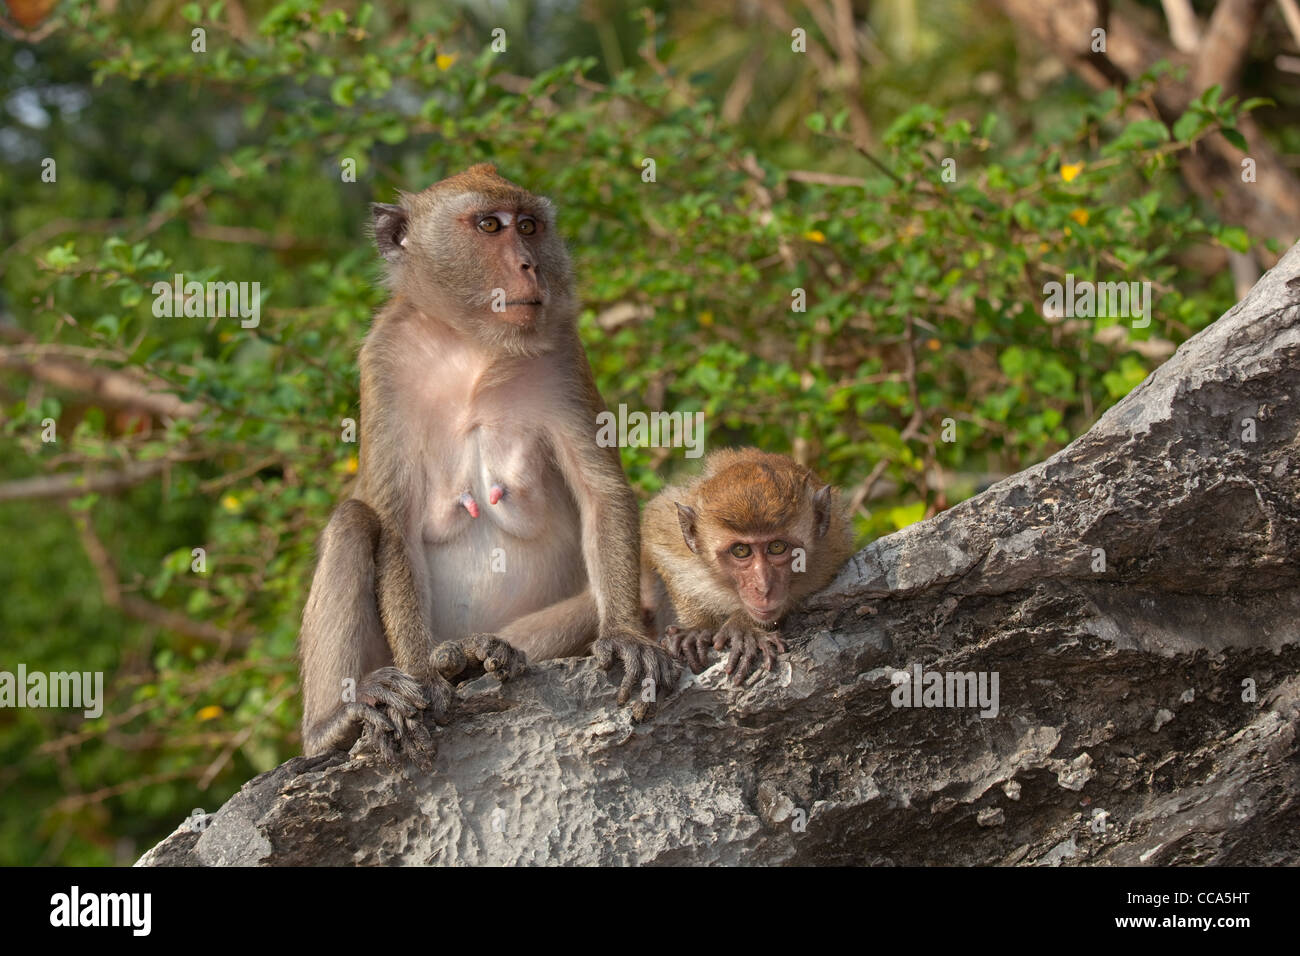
[
  {"x": 686, "y": 517},
  {"x": 822, "y": 510},
  {"x": 388, "y": 223}
]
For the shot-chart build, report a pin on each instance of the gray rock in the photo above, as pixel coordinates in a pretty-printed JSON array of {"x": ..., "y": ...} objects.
[{"x": 1126, "y": 732}]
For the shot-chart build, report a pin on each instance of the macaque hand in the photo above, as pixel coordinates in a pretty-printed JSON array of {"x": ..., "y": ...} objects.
[
  {"x": 391, "y": 706},
  {"x": 690, "y": 645},
  {"x": 641, "y": 658},
  {"x": 476, "y": 655},
  {"x": 747, "y": 641}
]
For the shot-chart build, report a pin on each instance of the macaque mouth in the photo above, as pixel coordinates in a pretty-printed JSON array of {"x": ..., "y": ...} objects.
[
  {"x": 510, "y": 302},
  {"x": 763, "y": 614}
]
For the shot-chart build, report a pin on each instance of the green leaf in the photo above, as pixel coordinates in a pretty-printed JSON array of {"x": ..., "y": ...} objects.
[
  {"x": 62, "y": 257},
  {"x": 1235, "y": 138},
  {"x": 1140, "y": 134},
  {"x": 906, "y": 515},
  {"x": 342, "y": 90},
  {"x": 1190, "y": 124},
  {"x": 1235, "y": 238}
]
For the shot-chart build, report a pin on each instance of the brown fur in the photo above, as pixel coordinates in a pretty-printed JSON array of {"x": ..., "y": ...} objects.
[
  {"x": 457, "y": 400},
  {"x": 744, "y": 495}
]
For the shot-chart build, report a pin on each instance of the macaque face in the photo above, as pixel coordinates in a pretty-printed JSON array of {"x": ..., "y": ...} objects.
[
  {"x": 759, "y": 569},
  {"x": 509, "y": 242},
  {"x": 482, "y": 256},
  {"x": 494, "y": 261}
]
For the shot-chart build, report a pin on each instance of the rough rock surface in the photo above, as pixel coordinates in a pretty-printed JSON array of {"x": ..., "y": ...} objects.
[{"x": 1126, "y": 730}]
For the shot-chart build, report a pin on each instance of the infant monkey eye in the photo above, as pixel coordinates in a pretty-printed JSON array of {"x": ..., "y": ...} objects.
[
  {"x": 489, "y": 224},
  {"x": 527, "y": 225},
  {"x": 740, "y": 550},
  {"x": 777, "y": 547}
]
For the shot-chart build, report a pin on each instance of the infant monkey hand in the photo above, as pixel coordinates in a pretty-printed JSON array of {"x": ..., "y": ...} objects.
[{"x": 747, "y": 641}]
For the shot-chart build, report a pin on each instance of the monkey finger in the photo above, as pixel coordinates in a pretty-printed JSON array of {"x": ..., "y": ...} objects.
[
  {"x": 449, "y": 659},
  {"x": 659, "y": 668},
  {"x": 643, "y": 710},
  {"x": 400, "y": 704},
  {"x": 377, "y": 734},
  {"x": 418, "y": 743},
  {"x": 370, "y": 718},
  {"x": 514, "y": 662},
  {"x": 395, "y": 681},
  {"x": 440, "y": 696},
  {"x": 737, "y": 648},
  {"x": 673, "y": 640},
  {"x": 748, "y": 657},
  {"x": 603, "y": 652},
  {"x": 631, "y": 678},
  {"x": 697, "y": 658},
  {"x": 769, "y": 654},
  {"x": 690, "y": 653},
  {"x": 668, "y": 672},
  {"x": 728, "y": 635},
  {"x": 703, "y": 644}
]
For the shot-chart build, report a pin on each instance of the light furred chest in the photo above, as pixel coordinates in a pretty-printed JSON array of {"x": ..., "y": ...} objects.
[{"x": 489, "y": 471}]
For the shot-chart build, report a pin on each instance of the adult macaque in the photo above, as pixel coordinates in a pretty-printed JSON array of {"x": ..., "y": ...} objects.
[
  {"x": 486, "y": 525},
  {"x": 735, "y": 550}
]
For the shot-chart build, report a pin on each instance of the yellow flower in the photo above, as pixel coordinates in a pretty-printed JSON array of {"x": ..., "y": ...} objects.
[
  {"x": 445, "y": 60},
  {"x": 350, "y": 466},
  {"x": 706, "y": 318},
  {"x": 211, "y": 712},
  {"x": 1070, "y": 170},
  {"x": 230, "y": 503},
  {"x": 1080, "y": 216},
  {"x": 816, "y": 235}
]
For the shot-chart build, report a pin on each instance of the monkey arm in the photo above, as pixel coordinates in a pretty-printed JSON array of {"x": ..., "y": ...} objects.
[
  {"x": 342, "y": 643},
  {"x": 611, "y": 548},
  {"x": 611, "y": 527},
  {"x": 408, "y": 635}
]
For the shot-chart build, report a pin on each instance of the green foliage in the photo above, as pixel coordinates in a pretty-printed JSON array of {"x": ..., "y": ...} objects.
[{"x": 924, "y": 303}]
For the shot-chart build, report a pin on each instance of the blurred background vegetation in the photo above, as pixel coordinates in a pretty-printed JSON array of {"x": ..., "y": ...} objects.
[{"x": 782, "y": 161}]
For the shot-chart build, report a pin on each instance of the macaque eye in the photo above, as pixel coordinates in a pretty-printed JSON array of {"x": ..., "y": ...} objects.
[
  {"x": 777, "y": 547},
  {"x": 489, "y": 224},
  {"x": 527, "y": 226},
  {"x": 740, "y": 550}
]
